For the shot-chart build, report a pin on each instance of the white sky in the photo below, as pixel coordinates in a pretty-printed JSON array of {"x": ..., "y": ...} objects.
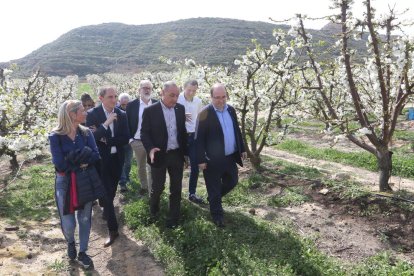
[{"x": 26, "y": 25}]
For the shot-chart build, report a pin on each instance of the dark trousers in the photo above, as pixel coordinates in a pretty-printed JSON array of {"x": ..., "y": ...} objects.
[
  {"x": 174, "y": 164},
  {"x": 126, "y": 169},
  {"x": 221, "y": 177},
  {"x": 110, "y": 173},
  {"x": 192, "y": 154}
]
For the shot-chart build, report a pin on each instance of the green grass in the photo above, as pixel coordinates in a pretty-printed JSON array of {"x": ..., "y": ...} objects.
[
  {"x": 315, "y": 124},
  {"x": 246, "y": 192},
  {"x": 296, "y": 170},
  {"x": 347, "y": 189},
  {"x": 85, "y": 88},
  {"x": 403, "y": 165},
  {"x": 59, "y": 266},
  {"x": 247, "y": 246},
  {"x": 252, "y": 190},
  {"x": 383, "y": 264},
  {"x": 289, "y": 197},
  {"x": 405, "y": 135},
  {"x": 30, "y": 196},
  {"x": 250, "y": 245}
]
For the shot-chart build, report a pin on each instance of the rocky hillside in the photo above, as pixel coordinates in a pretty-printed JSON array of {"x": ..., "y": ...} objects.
[{"x": 118, "y": 47}]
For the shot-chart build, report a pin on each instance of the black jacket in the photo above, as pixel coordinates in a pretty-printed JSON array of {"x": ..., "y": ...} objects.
[
  {"x": 154, "y": 132},
  {"x": 96, "y": 117},
  {"x": 210, "y": 137},
  {"x": 132, "y": 111}
]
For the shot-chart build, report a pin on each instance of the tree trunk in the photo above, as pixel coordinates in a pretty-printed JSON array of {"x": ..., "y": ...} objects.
[
  {"x": 14, "y": 165},
  {"x": 384, "y": 159},
  {"x": 256, "y": 161},
  {"x": 279, "y": 122}
]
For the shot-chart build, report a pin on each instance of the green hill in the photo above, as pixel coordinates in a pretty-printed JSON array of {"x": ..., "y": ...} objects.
[{"x": 118, "y": 47}]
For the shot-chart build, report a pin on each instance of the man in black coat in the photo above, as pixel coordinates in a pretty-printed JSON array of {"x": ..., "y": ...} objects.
[
  {"x": 110, "y": 129},
  {"x": 219, "y": 147},
  {"x": 164, "y": 136},
  {"x": 134, "y": 112}
]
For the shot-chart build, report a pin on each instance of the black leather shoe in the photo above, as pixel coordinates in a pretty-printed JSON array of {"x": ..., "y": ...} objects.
[
  {"x": 153, "y": 219},
  {"x": 142, "y": 192},
  {"x": 219, "y": 223},
  {"x": 171, "y": 224},
  {"x": 113, "y": 235},
  {"x": 196, "y": 199}
]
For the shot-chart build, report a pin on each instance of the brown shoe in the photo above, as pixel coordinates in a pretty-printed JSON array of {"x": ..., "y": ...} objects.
[
  {"x": 112, "y": 237},
  {"x": 142, "y": 192}
]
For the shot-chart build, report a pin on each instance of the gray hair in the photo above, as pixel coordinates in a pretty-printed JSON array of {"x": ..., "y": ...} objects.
[
  {"x": 124, "y": 96},
  {"x": 217, "y": 85},
  {"x": 102, "y": 91},
  {"x": 143, "y": 82},
  {"x": 169, "y": 84}
]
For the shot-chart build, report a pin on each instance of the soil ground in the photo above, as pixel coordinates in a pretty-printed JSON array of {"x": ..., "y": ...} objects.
[
  {"x": 348, "y": 229},
  {"x": 38, "y": 248}
]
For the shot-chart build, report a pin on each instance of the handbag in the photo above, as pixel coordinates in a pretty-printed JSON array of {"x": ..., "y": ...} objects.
[{"x": 89, "y": 185}]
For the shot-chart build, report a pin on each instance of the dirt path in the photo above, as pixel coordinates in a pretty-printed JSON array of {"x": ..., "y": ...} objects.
[
  {"x": 360, "y": 175},
  {"x": 40, "y": 249},
  {"x": 341, "y": 229},
  {"x": 343, "y": 236}
]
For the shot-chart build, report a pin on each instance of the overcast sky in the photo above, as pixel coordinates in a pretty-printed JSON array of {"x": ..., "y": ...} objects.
[{"x": 26, "y": 25}]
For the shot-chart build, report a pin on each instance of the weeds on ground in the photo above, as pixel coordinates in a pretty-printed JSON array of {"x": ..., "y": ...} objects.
[
  {"x": 347, "y": 189},
  {"x": 292, "y": 196},
  {"x": 59, "y": 266},
  {"x": 247, "y": 246},
  {"x": 382, "y": 264},
  {"x": 403, "y": 164},
  {"x": 30, "y": 196}
]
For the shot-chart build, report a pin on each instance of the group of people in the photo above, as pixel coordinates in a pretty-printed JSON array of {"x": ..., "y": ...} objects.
[{"x": 165, "y": 135}]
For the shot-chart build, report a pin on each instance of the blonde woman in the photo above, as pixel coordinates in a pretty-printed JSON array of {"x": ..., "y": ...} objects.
[{"x": 68, "y": 138}]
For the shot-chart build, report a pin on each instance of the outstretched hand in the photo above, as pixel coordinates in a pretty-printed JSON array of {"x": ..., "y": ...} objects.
[
  {"x": 186, "y": 161},
  {"x": 202, "y": 166},
  {"x": 152, "y": 154}
]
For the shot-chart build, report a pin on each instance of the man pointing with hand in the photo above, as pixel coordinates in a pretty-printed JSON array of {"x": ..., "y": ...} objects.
[{"x": 164, "y": 136}]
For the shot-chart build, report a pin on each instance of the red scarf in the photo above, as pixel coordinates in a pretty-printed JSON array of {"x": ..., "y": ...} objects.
[{"x": 73, "y": 202}]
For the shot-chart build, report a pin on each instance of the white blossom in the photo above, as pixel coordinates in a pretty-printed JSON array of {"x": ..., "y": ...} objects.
[{"x": 364, "y": 131}]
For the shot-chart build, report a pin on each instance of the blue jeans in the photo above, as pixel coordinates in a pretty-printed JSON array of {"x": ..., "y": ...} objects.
[
  {"x": 68, "y": 222},
  {"x": 192, "y": 154},
  {"x": 126, "y": 169}
]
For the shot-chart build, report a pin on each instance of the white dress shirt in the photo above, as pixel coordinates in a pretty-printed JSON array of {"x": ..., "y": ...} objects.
[
  {"x": 111, "y": 126},
  {"x": 142, "y": 106},
  {"x": 192, "y": 107}
]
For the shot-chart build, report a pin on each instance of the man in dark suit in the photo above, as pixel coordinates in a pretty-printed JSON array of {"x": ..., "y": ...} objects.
[
  {"x": 164, "y": 136},
  {"x": 134, "y": 112},
  {"x": 110, "y": 129},
  {"x": 219, "y": 147}
]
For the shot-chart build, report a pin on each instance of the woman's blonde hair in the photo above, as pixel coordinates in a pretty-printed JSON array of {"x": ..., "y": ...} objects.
[{"x": 64, "y": 126}]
